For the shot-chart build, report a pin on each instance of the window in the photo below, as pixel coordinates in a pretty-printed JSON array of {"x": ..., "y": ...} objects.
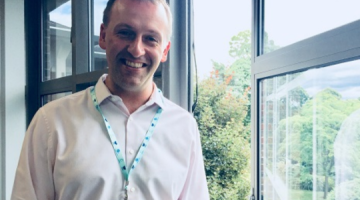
[
  {"x": 57, "y": 45},
  {"x": 306, "y": 101},
  {"x": 304, "y": 19},
  {"x": 61, "y": 37},
  {"x": 223, "y": 58},
  {"x": 50, "y": 97},
  {"x": 307, "y": 122},
  {"x": 99, "y": 56}
]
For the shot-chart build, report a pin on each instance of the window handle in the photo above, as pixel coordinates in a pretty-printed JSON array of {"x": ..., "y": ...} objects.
[{"x": 71, "y": 34}]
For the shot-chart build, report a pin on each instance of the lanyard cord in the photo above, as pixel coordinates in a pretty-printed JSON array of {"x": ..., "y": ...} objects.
[{"x": 126, "y": 173}]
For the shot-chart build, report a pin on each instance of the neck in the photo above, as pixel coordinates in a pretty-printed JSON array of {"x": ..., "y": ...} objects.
[{"x": 132, "y": 99}]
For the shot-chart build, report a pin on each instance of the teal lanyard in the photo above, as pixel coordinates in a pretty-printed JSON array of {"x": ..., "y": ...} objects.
[{"x": 126, "y": 173}]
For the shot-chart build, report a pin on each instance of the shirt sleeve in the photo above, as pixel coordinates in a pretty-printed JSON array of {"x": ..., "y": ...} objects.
[
  {"x": 33, "y": 179},
  {"x": 196, "y": 185}
]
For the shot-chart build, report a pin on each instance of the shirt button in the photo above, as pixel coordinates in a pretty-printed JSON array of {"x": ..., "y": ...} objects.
[
  {"x": 132, "y": 189},
  {"x": 131, "y": 152}
]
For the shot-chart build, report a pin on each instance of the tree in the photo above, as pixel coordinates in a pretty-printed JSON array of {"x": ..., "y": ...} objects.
[
  {"x": 226, "y": 148},
  {"x": 223, "y": 116},
  {"x": 347, "y": 159},
  {"x": 321, "y": 115},
  {"x": 239, "y": 72},
  {"x": 331, "y": 111}
]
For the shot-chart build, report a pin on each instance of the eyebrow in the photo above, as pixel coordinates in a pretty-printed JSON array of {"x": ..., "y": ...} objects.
[
  {"x": 156, "y": 34},
  {"x": 123, "y": 25}
]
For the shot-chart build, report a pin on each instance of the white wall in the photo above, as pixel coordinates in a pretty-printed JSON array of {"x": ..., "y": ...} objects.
[
  {"x": 2, "y": 99},
  {"x": 12, "y": 86}
]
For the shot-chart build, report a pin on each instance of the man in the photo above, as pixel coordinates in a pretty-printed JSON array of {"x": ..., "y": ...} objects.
[{"x": 120, "y": 139}]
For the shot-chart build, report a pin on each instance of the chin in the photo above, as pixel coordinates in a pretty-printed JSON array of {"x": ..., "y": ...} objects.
[{"x": 131, "y": 86}]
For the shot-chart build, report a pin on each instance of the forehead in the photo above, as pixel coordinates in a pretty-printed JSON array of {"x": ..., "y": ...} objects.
[{"x": 139, "y": 12}]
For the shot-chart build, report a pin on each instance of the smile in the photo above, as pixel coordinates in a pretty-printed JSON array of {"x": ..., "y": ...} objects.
[{"x": 134, "y": 64}]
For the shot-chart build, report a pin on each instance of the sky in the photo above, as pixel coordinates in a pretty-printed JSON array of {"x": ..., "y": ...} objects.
[
  {"x": 286, "y": 22},
  {"x": 341, "y": 77},
  {"x": 62, "y": 14},
  {"x": 214, "y": 26},
  {"x": 99, "y": 6}
]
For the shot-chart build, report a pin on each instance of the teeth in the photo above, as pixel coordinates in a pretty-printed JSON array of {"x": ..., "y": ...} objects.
[{"x": 133, "y": 64}]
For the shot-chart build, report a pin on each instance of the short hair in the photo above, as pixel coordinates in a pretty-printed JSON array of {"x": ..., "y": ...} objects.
[{"x": 110, "y": 3}]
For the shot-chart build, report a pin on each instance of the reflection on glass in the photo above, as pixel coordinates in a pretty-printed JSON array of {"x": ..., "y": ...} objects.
[
  {"x": 99, "y": 55},
  {"x": 287, "y": 22},
  {"x": 47, "y": 98},
  {"x": 310, "y": 134},
  {"x": 57, "y": 46}
]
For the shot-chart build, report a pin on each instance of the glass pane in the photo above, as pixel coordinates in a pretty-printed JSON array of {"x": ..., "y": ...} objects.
[
  {"x": 57, "y": 46},
  {"x": 50, "y": 97},
  {"x": 223, "y": 106},
  {"x": 310, "y": 134},
  {"x": 98, "y": 53},
  {"x": 287, "y": 22}
]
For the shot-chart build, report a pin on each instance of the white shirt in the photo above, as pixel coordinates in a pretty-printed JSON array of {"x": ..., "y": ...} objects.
[{"x": 67, "y": 153}]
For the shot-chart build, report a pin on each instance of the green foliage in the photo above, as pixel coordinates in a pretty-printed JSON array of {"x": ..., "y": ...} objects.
[
  {"x": 239, "y": 70},
  {"x": 322, "y": 115},
  {"x": 223, "y": 116},
  {"x": 240, "y": 45},
  {"x": 347, "y": 159},
  {"x": 226, "y": 148},
  {"x": 350, "y": 190},
  {"x": 237, "y": 75},
  {"x": 269, "y": 45}
]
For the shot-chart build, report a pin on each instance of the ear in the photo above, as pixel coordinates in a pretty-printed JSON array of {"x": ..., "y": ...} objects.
[
  {"x": 102, "y": 41},
  {"x": 166, "y": 50}
]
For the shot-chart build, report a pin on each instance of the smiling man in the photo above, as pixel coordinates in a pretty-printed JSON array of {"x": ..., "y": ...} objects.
[{"x": 121, "y": 139}]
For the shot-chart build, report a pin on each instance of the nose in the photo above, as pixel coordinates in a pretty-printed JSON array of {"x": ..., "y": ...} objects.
[{"x": 136, "y": 48}]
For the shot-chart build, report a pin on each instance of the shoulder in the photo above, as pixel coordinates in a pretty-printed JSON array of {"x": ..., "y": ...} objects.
[
  {"x": 68, "y": 103},
  {"x": 67, "y": 109},
  {"x": 178, "y": 116}
]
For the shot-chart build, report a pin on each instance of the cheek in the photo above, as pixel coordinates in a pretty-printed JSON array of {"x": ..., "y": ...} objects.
[
  {"x": 157, "y": 54},
  {"x": 115, "y": 45}
]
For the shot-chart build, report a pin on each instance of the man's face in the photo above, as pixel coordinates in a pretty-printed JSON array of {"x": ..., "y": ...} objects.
[{"x": 136, "y": 42}]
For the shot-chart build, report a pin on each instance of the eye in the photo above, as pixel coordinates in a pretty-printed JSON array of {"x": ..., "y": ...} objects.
[{"x": 152, "y": 39}]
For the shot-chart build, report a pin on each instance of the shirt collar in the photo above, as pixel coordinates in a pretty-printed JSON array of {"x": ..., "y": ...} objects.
[
  {"x": 102, "y": 93},
  {"x": 156, "y": 97}
]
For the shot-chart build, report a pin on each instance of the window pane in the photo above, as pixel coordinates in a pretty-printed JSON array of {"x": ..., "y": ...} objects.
[
  {"x": 287, "y": 22},
  {"x": 57, "y": 45},
  {"x": 98, "y": 53},
  {"x": 310, "y": 134},
  {"x": 223, "y": 111},
  {"x": 50, "y": 97}
]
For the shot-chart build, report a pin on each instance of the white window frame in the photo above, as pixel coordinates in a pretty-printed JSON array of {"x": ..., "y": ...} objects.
[{"x": 335, "y": 46}]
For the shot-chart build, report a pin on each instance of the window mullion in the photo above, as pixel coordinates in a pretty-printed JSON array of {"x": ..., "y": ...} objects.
[
  {"x": 81, "y": 38},
  {"x": 175, "y": 71}
]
